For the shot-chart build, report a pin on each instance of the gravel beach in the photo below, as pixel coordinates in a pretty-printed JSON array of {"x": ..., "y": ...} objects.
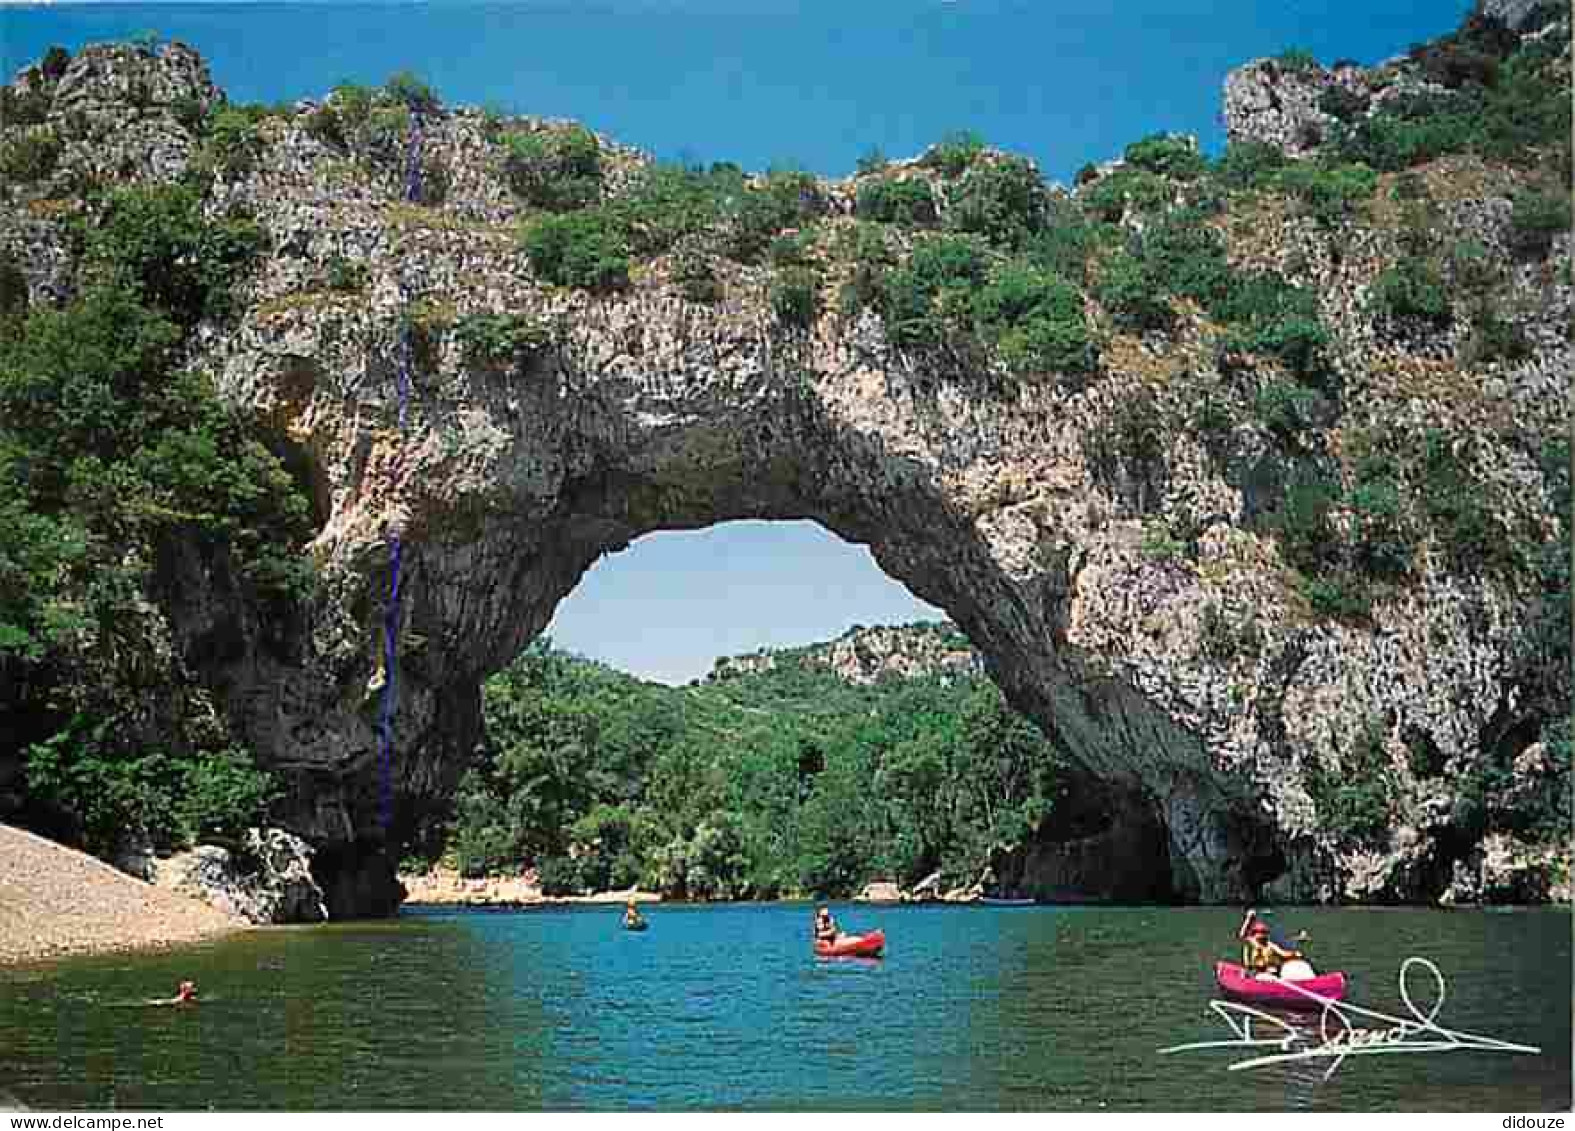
[{"x": 55, "y": 901}]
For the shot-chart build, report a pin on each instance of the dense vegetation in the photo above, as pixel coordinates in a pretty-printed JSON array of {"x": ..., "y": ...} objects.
[
  {"x": 788, "y": 780},
  {"x": 126, "y": 481}
]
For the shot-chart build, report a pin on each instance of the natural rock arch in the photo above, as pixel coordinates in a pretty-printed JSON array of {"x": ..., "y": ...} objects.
[{"x": 650, "y": 414}]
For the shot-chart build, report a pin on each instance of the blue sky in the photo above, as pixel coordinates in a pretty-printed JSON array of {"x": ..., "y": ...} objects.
[{"x": 812, "y": 83}]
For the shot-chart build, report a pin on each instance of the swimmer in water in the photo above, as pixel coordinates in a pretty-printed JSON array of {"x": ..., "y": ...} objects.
[{"x": 185, "y": 994}]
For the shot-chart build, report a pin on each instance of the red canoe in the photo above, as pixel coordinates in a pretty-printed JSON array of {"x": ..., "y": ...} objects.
[
  {"x": 853, "y": 946},
  {"x": 1236, "y": 983}
]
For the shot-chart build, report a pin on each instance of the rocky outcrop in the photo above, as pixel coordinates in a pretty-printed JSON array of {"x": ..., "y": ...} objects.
[
  {"x": 863, "y": 656},
  {"x": 1268, "y": 102},
  {"x": 1514, "y": 14},
  {"x": 866, "y": 656},
  {"x": 1296, "y": 105},
  {"x": 268, "y": 880},
  {"x": 1504, "y": 869},
  {"x": 1199, "y": 684}
]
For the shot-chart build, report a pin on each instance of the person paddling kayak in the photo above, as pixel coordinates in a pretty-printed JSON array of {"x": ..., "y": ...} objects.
[
  {"x": 1260, "y": 954},
  {"x": 826, "y": 930}
]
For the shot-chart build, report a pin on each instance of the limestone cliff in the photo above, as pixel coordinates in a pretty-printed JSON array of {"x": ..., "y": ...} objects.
[
  {"x": 864, "y": 656},
  {"x": 1099, "y": 546}
]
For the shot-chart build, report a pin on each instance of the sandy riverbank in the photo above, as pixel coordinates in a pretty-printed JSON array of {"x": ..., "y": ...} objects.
[
  {"x": 450, "y": 889},
  {"x": 55, "y": 901}
]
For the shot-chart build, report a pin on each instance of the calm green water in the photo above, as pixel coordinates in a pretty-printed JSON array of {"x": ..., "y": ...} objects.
[{"x": 724, "y": 1007}]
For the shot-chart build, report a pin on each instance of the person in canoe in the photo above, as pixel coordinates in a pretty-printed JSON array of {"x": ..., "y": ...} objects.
[
  {"x": 1260, "y": 954},
  {"x": 826, "y": 930},
  {"x": 185, "y": 994},
  {"x": 632, "y": 917}
]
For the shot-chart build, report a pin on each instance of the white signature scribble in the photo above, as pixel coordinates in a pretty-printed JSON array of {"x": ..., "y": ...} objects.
[{"x": 1338, "y": 1036}]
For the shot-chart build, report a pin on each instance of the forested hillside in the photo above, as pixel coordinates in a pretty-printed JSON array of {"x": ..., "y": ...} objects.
[{"x": 786, "y": 779}]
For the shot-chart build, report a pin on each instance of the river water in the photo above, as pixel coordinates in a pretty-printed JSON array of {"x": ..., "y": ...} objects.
[{"x": 725, "y": 1007}]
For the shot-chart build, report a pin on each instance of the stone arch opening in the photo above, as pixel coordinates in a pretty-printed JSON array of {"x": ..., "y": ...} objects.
[{"x": 643, "y": 420}]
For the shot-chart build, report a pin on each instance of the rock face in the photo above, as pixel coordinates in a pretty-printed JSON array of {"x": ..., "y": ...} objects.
[
  {"x": 1268, "y": 102},
  {"x": 1105, "y": 856},
  {"x": 864, "y": 656},
  {"x": 269, "y": 881},
  {"x": 1200, "y": 687}
]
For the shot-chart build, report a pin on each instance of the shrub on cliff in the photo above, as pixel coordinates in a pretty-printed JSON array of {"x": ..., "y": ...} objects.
[
  {"x": 1343, "y": 103},
  {"x": 1185, "y": 256},
  {"x": 1249, "y": 164},
  {"x": 1493, "y": 338},
  {"x": 1168, "y": 156},
  {"x": 906, "y": 201},
  {"x": 785, "y": 199},
  {"x": 1468, "y": 55},
  {"x": 1460, "y": 510},
  {"x": 872, "y": 160},
  {"x": 408, "y": 89},
  {"x": 1127, "y": 291},
  {"x": 1472, "y": 267},
  {"x": 1065, "y": 242},
  {"x": 232, "y": 145},
  {"x": 345, "y": 275},
  {"x": 55, "y": 62},
  {"x": 13, "y": 296},
  {"x": 1381, "y": 543},
  {"x": 667, "y": 203},
  {"x": 560, "y": 171},
  {"x": 157, "y": 242},
  {"x": 919, "y": 298},
  {"x": 794, "y": 248},
  {"x": 1412, "y": 291},
  {"x": 1297, "y": 60},
  {"x": 30, "y": 157},
  {"x": 1409, "y": 131},
  {"x": 501, "y": 338},
  {"x": 1354, "y": 798},
  {"x": 795, "y": 297},
  {"x": 1507, "y": 103},
  {"x": 343, "y": 116},
  {"x": 1302, "y": 522},
  {"x": 864, "y": 246},
  {"x": 23, "y": 108},
  {"x": 1272, "y": 318},
  {"x": 1139, "y": 189},
  {"x": 386, "y": 135},
  {"x": 1536, "y": 216},
  {"x": 954, "y": 153},
  {"x": 1331, "y": 193},
  {"x": 1002, "y": 200},
  {"x": 1287, "y": 409},
  {"x": 695, "y": 275},
  {"x": 1036, "y": 320},
  {"x": 578, "y": 249}
]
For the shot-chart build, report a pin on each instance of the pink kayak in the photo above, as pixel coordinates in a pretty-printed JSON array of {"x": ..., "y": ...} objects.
[
  {"x": 853, "y": 946},
  {"x": 1237, "y": 983}
]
